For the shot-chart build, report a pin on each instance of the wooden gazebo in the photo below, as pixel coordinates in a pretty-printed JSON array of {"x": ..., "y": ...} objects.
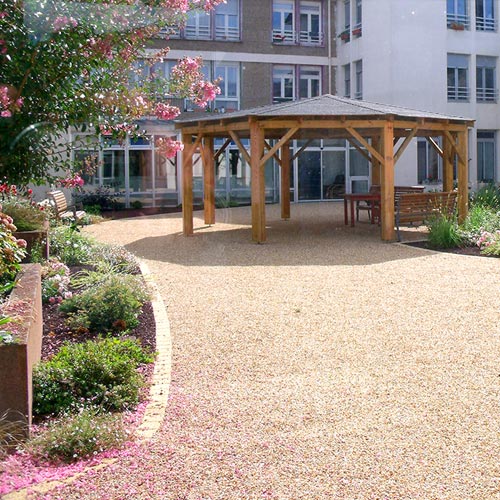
[{"x": 380, "y": 132}]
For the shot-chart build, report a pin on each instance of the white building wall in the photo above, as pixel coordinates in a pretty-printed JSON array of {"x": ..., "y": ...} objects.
[{"x": 404, "y": 47}]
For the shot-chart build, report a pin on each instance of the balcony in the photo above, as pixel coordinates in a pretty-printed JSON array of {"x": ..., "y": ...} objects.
[
  {"x": 486, "y": 24},
  {"x": 486, "y": 95},
  {"x": 283, "y": 36},
  {"x": 197, "y": 32},
  {"x": 309, "y": 37},
  {"x": 458, "y": 93},
  {"x": 458, "y": 22},
  {"x": 227, "y": 33}
]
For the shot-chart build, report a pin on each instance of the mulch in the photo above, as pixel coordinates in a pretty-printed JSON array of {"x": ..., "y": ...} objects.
[{"x": 475, "y": 251}]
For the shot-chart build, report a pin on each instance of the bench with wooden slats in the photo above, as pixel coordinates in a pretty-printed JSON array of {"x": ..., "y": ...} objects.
[
  {"x": 412, "y": 208},
  {"x": 62, "y": 209}
]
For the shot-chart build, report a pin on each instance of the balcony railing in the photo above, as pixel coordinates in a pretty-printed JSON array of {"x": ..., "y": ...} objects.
[
  {"x": 278, "y": 100},
  {"x": 227, "y": 33},
  {"x": 283, "y": 36},
  {"x": 486, "y": 24},
  {"x": 358, "y": 95},
  {"x": 458, "y": 93},
  {"x": 486, "y": 95},
  {"x": 197, "y": 32},
  {"x": 310, "y": 37},
  {"x": 458, "y": 22}
]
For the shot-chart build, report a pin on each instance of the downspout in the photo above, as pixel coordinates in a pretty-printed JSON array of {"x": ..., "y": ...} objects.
[{"x": 329, "y": 30}]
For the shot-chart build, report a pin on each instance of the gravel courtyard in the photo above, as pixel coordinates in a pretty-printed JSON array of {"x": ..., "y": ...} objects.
[{"x": 324, "y": 364}]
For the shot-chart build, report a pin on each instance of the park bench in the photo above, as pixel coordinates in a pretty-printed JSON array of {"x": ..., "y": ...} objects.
[
  {"x": 412, "y": 208},
  {"x": 61, "y": 207}
]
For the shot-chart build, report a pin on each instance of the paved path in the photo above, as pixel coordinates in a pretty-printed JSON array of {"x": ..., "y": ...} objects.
[{"x": 324, "y": 364}]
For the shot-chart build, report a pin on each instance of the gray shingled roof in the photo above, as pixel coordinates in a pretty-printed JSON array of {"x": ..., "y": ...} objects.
[{"x": 322, "y": 106}]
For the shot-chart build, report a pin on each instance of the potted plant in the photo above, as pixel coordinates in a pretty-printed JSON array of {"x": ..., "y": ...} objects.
[
  {"x": 356, "y": 32},
  {"x": 457, "y": 26},
  {"x": 345, "y": 36}
]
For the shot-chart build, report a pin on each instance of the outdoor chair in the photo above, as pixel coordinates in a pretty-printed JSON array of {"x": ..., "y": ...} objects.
[{"x": 368, "y": 205}]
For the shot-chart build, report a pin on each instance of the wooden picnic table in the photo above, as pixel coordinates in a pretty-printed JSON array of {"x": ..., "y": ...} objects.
[{"x": 354, "y": 198}]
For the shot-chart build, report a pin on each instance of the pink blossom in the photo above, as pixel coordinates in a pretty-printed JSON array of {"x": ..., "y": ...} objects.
[
  {"x": 165, "y": 111},
  {"x": 22, "y": 243},
  {"x": 62, "y": 22},
  {"x": 6, "y": 113},
  {"x": 74, "y": 181},
  {"x": 168, "y": 147}
]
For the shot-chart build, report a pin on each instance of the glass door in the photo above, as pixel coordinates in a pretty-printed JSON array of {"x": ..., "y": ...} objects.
[
  {"x": 333, "y": 163},
  {"x": 358, "y": 180},
  {"x": 309, "y": 176}
]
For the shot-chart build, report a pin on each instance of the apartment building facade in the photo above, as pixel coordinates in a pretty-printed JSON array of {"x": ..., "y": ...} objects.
[{"x": 434, "y": 55}]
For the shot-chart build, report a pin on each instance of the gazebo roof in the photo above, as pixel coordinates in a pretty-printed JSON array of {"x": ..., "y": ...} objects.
[{"x": 324, "y": 106}]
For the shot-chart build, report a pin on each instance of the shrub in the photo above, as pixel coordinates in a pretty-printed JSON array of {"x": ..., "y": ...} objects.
[
  {"x": 113, "y": 305},
  {"x": 70, "y": 246},
  {"x": 489, "y": 243},
  {"x": 77, "y": 436},
  {"x": 97, "y": 373},
  {"x": 443, "y": 232},
  {"x": 26, "y": 216},
  {"x": 101, "y": 197},
  {"x": 480, "y": 218},
  {"x": 115, "y": 255},
  {"x": 55, "y": 281},
  {"x": 488, "y": 196}
]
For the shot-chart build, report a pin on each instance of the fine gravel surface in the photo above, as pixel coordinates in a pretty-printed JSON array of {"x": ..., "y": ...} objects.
[{"x": 324, "y": 364}]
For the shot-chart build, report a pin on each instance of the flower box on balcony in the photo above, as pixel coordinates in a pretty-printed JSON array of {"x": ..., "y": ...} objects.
[
  {"x": 457, "y": 26},
  {"x": 356, "y": 32},
  {"x": 345, "y": 36}
]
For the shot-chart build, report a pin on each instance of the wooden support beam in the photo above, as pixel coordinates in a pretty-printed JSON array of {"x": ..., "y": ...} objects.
[
  {"x": 447, "y": 165},
  {"x": 387, "y": 184},
  {"x": 297, "y": 153},
  {"x": 208, "y": 181},
  {"x": 187, "y": 186},
  {"x": 258, "y": 183},
  {"x": 375, "y": 163},
  {"x": 365, "y": 143},
  {"x": 222, "y": 149},
  {"x": 289, "y": 134},
  {"x": 285, "y": 181},
  {"x": 238, "y": 143},
  {"x": 360, "y": 149},
  {"x": 404, "y": 145},
  {"x": 275, "y": 155},
  {"x": 463, "y": 174},
  {"x": 454, "y": 145},
  {"x": 435, "y": 145}
]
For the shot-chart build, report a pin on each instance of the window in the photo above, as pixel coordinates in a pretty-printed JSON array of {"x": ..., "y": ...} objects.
[
  {"x": 458, "y": 77},
  {"x": 347, "y": 14},
  {"x": 227, "y": 21},
  {"x": 283, "y": 83},
  {"x": 485, "y": 15},
  {"x": 485, "y": 156},
  {"x": 359, "y": 80},
  {"x": 429, "y": 163},
  {"x": 359, "y": 18},
  {"x": 457, "y": 16},
  {"x": 309, "y": 82},
  {"x": 283, "y": 21},
  {"x": 229, "y": 98},
  {"x": 347, "y": 80},
  {"x": 310, "y": 23},
  {"x": 486, "y": 79},
  {"x": 197, "y": 25}
]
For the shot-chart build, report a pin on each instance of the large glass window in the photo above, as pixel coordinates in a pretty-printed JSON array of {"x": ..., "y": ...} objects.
[
  {"x": 310, "y": 22},
  {"x": 457, "y": 15},
  {"x": 227, "y": 20},
  {"x": 486, "y": 79},
  {"x": 429, "y": 162},
  {"x": 458, "y": 77},
  {"x": 283, "y": 21},
  {"x": 229, "y": 98},
  {"x": 485, "y": 156},
  {"x": 359, "y": 15},
  {"x": 309, "y": 81},
  {"x": 359, "y": 80},
  {"x": 283, "y": 83},
  {"x": 197, "y": 25},
  {"x": 347, "y": 14},
  {"x": 485, "y": 15}
]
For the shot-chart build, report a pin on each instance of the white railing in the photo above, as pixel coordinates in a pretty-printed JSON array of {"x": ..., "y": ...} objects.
[
  {"x": 310, "y": 37},
  {"x": 227, "y": 33},
  {"x": 458, "y": 93},
  {"x": 277, "y": 100},
  {"x": 486, "y": 95},
  {"x": 283, "y": 36},
  {"x": 197, "y": 32},
  {"x": 458, "y": 22},
  {"x": 486, "y": 24},
  {"x": 358, "y": 95}
]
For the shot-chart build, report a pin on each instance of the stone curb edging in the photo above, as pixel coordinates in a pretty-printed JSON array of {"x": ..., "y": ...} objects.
[{"x": 159, "y": 391}]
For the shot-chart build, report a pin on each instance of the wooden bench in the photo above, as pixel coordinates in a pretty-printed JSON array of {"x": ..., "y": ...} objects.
[
  {"x": 420, "y": 207},
  {"x": 62, "y": 209}
]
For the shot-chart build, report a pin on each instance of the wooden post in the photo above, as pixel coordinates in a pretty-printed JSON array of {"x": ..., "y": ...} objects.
[
  {"x": 463, "y": 175},
  {"x": 258, "y": 183},
  {"x": 375, "y": 162},
  {"x": 285, "y": 181},
  {"x": 447, "y": 165},
  {"x": 208, "y": 180},
  {"x": 187, "y": 185},
  {"x": 387, "y": 183}
]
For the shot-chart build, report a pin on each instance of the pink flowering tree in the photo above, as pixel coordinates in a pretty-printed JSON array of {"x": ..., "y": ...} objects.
[{"x": 68, "y": 64}]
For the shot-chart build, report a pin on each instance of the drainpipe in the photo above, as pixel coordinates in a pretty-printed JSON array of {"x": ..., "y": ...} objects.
[{"x": 329, "y": 30}]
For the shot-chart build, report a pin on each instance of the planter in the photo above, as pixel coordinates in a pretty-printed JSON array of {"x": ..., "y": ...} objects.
[
  {"x": 36, "y": 237},
  {"x": 356, "y": 32},
  {"x": 457, "y": 26},
  {"x": 18, "y": 358}
]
